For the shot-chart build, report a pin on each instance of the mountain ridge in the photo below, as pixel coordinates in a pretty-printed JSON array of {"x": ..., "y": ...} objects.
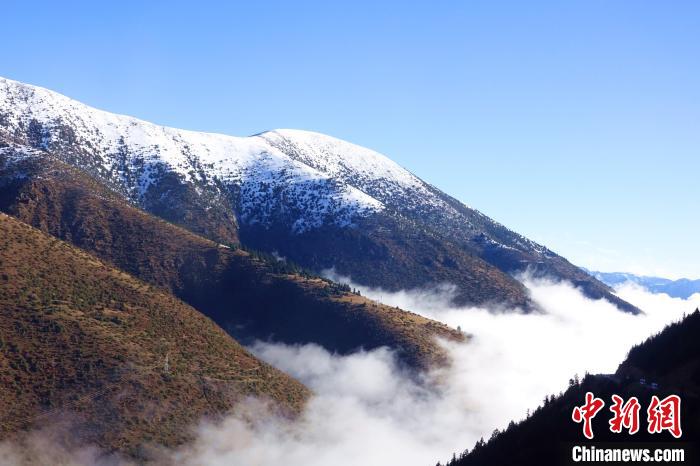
[
  {"x": 323, "y": 202},
  {"x": 249, "y": 297}
]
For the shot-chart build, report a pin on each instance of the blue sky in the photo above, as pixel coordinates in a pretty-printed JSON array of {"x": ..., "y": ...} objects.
[{"x": 574, "y": 123}]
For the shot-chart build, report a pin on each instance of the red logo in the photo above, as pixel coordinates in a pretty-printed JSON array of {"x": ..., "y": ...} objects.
[
  {"x": 625, "y": 415},
  {"x": 661, "y": 415},
  {"x": 587, "y": 412},
  {"x": 665, "y": 415}
]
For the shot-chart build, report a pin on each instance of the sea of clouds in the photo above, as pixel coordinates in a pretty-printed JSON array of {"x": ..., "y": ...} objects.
[{"x": 367, "y": 411}]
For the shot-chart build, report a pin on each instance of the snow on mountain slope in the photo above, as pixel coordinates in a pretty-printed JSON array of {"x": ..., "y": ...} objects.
[
  {"x": 366, "y": 169},
  {"x": 123, "y": 146},
  {"x": 352, "y": 179},
  {"x": 329, "y": 180}
]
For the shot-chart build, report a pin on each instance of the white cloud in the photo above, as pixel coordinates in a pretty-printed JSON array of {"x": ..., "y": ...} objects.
[{"x": 367, "y": 412}]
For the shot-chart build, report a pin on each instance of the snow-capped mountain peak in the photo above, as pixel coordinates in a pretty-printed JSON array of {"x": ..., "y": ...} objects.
[
  {"x": 319, "y": 200},
  {"x": 133, "y": 152},
  {"x": 310, "y": 178}
]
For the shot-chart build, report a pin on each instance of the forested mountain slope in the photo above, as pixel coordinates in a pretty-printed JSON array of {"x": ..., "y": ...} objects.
[{"x": 666, "y": 364}]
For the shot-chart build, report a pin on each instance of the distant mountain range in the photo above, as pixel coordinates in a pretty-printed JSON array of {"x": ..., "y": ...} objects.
[
  {"x": 681, "y": 288},
  {"x": 318, "y": 201}
]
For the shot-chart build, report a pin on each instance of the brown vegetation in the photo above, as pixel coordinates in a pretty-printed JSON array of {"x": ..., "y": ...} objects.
[{"x": 130, "y": 363}]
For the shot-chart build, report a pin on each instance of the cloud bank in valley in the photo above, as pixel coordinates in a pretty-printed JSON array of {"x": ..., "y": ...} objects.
[{"x": 367, "y": 411}]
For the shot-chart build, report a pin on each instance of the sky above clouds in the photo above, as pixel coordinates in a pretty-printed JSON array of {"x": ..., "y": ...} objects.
[{"x": 574, "y": 123}]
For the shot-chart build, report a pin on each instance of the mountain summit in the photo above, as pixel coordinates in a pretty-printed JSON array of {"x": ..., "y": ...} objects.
[{"x": 316, "y": 200}]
